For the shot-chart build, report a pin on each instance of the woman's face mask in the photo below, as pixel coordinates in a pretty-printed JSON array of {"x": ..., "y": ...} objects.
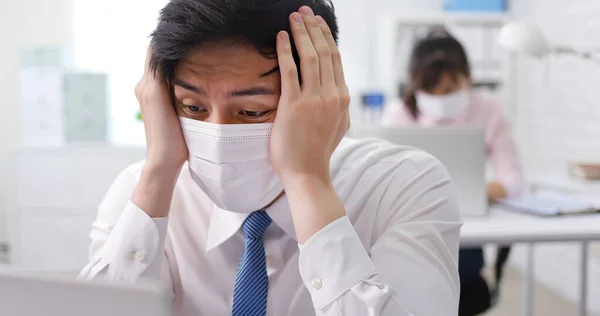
[
  {"x": 448, "y": 99},
  {"x": 446, "y": 106}
]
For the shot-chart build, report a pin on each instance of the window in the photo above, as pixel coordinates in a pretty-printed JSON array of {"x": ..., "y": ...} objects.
[{"x": 111, "y": 36}]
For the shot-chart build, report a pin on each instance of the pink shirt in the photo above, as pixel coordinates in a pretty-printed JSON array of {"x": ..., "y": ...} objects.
[{"x": 483, "y": 111}]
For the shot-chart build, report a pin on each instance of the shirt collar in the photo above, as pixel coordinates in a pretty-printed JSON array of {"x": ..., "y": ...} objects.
[{"x": 224, "y": 224}]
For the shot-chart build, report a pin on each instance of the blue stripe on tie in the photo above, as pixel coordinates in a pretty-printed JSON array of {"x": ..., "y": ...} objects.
[{"x": 252, "y": 282}]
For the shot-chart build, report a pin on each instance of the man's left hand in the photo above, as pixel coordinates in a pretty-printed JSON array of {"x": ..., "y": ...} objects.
[{"x": 313, "y": 117}]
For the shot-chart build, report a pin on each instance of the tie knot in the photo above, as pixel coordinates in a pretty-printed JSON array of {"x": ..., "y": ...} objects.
[{"x": 255, "y": 225}]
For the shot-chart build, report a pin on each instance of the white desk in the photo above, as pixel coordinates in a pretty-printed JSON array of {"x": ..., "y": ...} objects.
[{"x": 505, "y": 228}]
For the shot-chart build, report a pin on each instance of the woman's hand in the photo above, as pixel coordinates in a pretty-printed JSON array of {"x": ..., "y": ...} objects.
[
  {"x": 313, "y": 117},
  {"x": 495, "y": 192}
]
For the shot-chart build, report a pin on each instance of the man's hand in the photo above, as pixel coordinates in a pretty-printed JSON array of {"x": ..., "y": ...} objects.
[
  {"x": 165, "y": 145},
  {"x": 311, "y": 120},
  {"x": 166, "y": 150}
]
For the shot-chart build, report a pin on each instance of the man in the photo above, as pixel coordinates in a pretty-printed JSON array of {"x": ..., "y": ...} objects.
[{"x": 250, "y": 200}]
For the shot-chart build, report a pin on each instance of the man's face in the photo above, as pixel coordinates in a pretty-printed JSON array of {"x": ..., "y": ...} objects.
[{"x": 227, "y": 83}]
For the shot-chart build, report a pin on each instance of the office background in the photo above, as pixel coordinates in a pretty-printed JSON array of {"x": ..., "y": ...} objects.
[{"x": 553, "y": 104}]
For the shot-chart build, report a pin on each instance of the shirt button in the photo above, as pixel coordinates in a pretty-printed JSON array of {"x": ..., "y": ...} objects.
[
  {"x": 140, "y": 255},
  {"x": 317, "y": 284}
]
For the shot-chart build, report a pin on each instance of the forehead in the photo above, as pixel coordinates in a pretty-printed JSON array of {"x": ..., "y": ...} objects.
[
  {"x": 439, "y": 79},
  {"x": 449, "y": 78},
  {"x": 225, "y": 61}
]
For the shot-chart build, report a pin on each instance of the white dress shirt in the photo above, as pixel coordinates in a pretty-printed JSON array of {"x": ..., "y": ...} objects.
[{"x": 394, "y": 254}]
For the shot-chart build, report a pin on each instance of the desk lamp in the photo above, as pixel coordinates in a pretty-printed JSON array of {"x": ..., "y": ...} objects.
[{"x": 528, "y": 39}]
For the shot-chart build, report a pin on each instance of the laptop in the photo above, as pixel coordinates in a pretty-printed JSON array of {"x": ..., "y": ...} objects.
[
  {"x": 460, "y": 149},
  {"x": 27, "y": 294}
]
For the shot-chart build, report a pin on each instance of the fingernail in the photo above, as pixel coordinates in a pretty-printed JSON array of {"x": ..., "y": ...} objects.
[
  {"x": 283, "y": 36},
  {"x": 306, "y": 10},
  {"x": 297, "y": 17}
]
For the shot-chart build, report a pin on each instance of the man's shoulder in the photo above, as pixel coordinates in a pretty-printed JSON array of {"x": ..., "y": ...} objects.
[
  {"x": 371, "y": 164},
  {"x": 357, "y": 153},
  {"x": 374, "y": 175}
]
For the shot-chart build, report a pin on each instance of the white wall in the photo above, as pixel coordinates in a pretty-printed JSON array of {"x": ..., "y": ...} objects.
[
  {"x": 8, "y": 106},
  {"x": 557, "y": 119},
  {"x": 94, "y": 50},
  {"x": 22, "y": 22}
]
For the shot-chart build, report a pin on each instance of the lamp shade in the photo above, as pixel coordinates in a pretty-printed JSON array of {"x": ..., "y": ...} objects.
[{"x": 524, "y": 37}]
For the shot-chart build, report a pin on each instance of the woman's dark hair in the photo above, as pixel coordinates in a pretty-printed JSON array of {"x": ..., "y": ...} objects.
[
  {"x": 437, "y": 54},
  {"x": 185, "y": 24}
]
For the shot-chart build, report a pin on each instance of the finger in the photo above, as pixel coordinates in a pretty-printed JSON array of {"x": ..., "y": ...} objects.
[
  {"x": 290, "y": 85},
  {"x": 143, "y": 82},
  {"x": 336, "y": 57},
  {"x": 148, "y": 59},
  {"x": 321, "y": 47},
  {"x": 309, "y": 60},
  {"x": 149, "y": 73}
]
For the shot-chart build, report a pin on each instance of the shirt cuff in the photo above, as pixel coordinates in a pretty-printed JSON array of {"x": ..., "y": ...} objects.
[
  {"x": 333, "y": 261},
  {"x": 136, "y": 244}
]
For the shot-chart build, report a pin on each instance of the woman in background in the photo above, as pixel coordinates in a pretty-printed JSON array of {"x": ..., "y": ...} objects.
[{"x": 440, "y": 94}]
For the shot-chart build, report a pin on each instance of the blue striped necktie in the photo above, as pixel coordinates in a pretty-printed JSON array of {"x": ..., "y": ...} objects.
[{"x": 252, "y": 282}]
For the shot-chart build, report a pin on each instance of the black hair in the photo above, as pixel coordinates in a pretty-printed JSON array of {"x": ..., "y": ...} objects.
[
  {"x": 185, "y": 24},
  {"x": 437, "y": 54}
]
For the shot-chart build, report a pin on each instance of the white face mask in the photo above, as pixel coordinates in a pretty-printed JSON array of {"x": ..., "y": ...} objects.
[
  {"x": 443, "y": 106},
  {"x": 230, "y": 163}
]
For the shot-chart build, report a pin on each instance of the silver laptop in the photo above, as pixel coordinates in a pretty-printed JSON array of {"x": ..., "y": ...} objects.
[
  {"x": 460, "y": 149},
  {"x": 26, "y": 294}
]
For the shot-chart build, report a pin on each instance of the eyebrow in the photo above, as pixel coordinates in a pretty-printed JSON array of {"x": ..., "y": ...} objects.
[
  {"x": 187, "y": 86},
  {"x": 270, "y": 72},
  {"x": 233, "y": 94}
]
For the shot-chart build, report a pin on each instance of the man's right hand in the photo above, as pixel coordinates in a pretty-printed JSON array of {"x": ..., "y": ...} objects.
[
  {"x": 166, "y": 150},
  {"x": 165, "y": 144}
]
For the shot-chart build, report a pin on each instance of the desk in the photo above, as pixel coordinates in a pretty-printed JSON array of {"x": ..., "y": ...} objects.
[{"x": 504, "y": 228}]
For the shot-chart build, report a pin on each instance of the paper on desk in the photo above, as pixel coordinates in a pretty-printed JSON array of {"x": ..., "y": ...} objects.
[{"x": 550, "y": 206}]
